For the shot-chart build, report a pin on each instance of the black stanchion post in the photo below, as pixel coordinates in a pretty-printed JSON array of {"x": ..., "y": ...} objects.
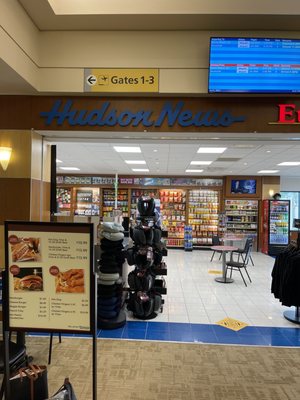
[
  {"x": 95, "y": 341},
  {"x": 6, "y": 365}
]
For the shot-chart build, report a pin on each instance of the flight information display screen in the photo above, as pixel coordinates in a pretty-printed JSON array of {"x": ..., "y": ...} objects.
[{"x": 254, "y": 65}]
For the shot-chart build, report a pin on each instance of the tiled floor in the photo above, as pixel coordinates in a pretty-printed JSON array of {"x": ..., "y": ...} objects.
[{"x": 195, "y": 303}]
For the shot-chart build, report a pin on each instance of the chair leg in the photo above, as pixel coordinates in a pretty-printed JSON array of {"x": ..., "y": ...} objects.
[
  {"x": 248, "y": 275},
  {"x": 220, "y": 256},
  {"x": 242, "y": 277},
  {"x": 212, "y": 256},
  {"x": 251, "y": 260}
]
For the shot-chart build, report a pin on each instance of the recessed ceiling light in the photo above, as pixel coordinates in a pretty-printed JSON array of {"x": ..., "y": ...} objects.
[
  {"x": 268, "y": 171},
  {"x": 268, "y": 151},
  {"x": 70, "y": 168},
  {"x": 127, "y": 149},
  {"x": 135, "y": 162},
  {"x": 201, "y": 162},
  {"x": 290, "y": 163},
  {"x": 140, "y": 169},
  {"x": 58, "y": 161},
  {"x": 156, "y": 162},
  {"x": 194, "y": 170},
  {"x": 155, "y": 150},
  {"x": 211, "y": 150},
  {"x": 245, "y": 163}
]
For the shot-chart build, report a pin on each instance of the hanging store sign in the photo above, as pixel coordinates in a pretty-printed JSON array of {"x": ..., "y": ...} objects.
[
  {"x": 120, "y": 80},
  {"x": 64, "y": 112},
  {"x": 288, "y": 114}
]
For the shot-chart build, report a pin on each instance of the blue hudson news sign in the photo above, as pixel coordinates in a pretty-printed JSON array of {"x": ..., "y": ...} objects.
[{"x": 171, "y": 113}]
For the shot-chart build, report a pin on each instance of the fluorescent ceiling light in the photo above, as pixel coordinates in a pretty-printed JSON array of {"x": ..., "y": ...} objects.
[
  {"x": 135, "y": 162},
  {"x": 268, "y": 171},
  {"x": 290, "y": 163},
  {"x": 70, "y": 168},
  {"x": 211, "y": 150},
  {"x": 140, "y": 169},
  {"x": 194, "y": 170},
  {"x": 127, "y": 149},
  {"x": 58, "y": 161},
  {"x": 201, "y": 162}
]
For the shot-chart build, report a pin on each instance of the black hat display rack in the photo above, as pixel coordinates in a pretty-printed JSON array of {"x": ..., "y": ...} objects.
[
  {"x": 110, "y": 313},
  {"x": 146, "y": 282}
]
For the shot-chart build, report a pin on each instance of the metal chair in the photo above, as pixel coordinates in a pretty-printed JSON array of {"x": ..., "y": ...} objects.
[
  {"x": 238, "y": 266},
  {"x": 242, "y": 252},
  {"x": 216, "y": 242}
]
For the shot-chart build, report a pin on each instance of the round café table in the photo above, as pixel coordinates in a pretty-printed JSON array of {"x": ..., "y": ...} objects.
[{"x": 224, "y": 250}]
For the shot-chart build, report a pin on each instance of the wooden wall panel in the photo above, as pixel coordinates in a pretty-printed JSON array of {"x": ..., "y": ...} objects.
[
  {"x": 258, "y": 112},
  {"x": 14, "y": 199}
]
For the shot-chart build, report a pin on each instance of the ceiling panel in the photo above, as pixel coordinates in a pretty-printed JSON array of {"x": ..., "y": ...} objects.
[{"x": 173, "y": 158}]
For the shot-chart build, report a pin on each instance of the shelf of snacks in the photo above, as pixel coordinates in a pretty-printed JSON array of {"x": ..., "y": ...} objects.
[
  {"x": 87, "y": 201},
  {"x": 108, "y": 204},
  {"x": 173, "y": 210},
  {"x": 203, "y": 215},
  {"x": 64, "y": 200},
  {"x": 136, "y": 193},
  {"x": 242, "y": 218}
]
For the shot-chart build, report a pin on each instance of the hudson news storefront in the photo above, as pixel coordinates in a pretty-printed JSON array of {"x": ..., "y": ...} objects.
[{"x": 27, "y": 124}]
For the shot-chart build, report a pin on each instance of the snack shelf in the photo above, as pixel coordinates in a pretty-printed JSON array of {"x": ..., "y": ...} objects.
[
  {"x": 203, "y": 215},
  {"x": 109, "y": 201},
  {"x": 87, "y": 201},
  {"x": 242, "y": 217},
  {"x": 64, "y": 200},
  {"x": 173, "y": 210}
]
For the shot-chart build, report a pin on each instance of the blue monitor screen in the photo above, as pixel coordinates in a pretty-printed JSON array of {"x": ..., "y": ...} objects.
[
  {"x": 254, "y": 65},
  {"x": 243, "y": 186}
]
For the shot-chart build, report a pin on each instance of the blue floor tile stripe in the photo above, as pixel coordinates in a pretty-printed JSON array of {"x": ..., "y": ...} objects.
[{"x": 199, "y": 333}]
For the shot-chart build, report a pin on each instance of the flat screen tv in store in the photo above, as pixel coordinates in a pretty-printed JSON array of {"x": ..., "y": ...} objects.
[
  {"x": 254, "y": 65},
  {"x": 243, "y": 186}
]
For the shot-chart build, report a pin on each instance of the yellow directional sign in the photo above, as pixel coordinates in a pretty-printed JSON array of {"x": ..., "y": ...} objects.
[
  {"x": 121, "y": 80},
  {"x": 232, "y": 324}
]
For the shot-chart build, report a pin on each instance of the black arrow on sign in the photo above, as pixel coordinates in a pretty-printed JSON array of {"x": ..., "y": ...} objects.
[{"x": 91, "y": 80}]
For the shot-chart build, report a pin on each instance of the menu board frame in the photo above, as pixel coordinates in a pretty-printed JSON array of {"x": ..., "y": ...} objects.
[{"x": 90, "y": 284}]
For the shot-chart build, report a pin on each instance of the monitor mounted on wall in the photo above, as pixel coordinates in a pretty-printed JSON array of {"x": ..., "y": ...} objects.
[
  {"x": 254, "y": 65},
  {"x": 243, "y": 186}
]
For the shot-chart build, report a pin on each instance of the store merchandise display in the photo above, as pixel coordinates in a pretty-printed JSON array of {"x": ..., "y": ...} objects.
[
  {"x": 145, "y": 289},
  {"x": 204, "y": 206},
  {"x": 110, "y": 283},
  {"x": 242, "y": 218},
  {"x": 109, "y": 201},
  {"x": 136, "y": 194},
  {"x": 188, "y": 238},
  {"x": 87, "y": 201},
  {"x": 63, "y": 200},
  {"x": 173, "y": 210}
]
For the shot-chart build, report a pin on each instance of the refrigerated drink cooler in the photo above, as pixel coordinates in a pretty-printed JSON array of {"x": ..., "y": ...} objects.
[{"x": 276, "y": 226}]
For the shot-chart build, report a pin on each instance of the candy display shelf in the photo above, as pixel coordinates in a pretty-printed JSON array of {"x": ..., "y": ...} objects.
[
  {"x": 203, "y": 215},
  {"x": 173, "y": 210}
]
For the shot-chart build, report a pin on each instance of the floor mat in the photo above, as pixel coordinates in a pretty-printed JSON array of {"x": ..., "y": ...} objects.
[{"x": 143, "y": 370}]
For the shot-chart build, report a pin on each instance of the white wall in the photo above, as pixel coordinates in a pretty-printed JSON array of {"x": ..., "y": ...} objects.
[{"x": 290, "y": 184}]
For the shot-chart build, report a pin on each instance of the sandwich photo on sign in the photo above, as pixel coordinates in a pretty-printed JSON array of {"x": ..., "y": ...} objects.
[
  {"x": 24, "y": 249},
  {"x": 27, "y": 279}
]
